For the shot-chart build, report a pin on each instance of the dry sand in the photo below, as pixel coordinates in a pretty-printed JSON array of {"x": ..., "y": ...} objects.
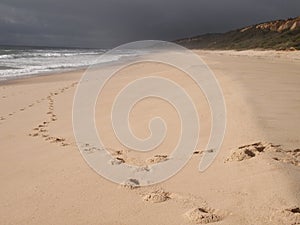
[{"x": 254, "y": 180}]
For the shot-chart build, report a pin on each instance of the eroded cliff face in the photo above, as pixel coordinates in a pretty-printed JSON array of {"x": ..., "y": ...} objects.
[
  {"x": 277, "y": 25},
  {"x": 276, "y": 35}
]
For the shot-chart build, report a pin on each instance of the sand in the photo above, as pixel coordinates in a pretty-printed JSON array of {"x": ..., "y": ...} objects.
[{"x": 254, "y": 180}]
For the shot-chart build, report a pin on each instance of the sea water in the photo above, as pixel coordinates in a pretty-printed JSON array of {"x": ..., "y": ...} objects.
[{"x": 19, "y": 61}]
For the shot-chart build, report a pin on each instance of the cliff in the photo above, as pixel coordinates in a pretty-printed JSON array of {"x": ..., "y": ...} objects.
[{"x": 278, "y": 34}]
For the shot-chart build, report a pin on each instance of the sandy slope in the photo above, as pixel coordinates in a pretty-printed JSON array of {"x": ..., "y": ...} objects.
[{"x": 44, "y": 179}]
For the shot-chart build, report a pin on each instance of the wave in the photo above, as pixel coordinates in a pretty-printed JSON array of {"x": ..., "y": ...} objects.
[
  {"x": 19, "y": 62},
  {"x": 46, "y": 54}
]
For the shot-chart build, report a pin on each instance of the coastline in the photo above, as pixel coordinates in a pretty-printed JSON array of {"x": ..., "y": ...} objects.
[{"x": 50, "y": 183}]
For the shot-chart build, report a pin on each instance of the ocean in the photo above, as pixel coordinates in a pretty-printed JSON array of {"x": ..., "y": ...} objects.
[{"x": 16, "y": 62}]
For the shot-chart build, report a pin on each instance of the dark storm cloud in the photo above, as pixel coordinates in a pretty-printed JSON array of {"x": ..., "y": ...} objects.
[{"x": 108, "y": 23}]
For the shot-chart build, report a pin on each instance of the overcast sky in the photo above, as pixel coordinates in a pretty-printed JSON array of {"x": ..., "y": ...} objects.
[{"x": 109, "y": 23}]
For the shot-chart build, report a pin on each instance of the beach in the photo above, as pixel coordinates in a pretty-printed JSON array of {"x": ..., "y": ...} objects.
[{"x": 255, "y": 178}]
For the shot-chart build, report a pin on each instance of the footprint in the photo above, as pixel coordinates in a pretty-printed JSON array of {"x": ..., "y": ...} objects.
[
  {"x": 157, "y": 159},
  {"x": 56, "y": 139},
  {"x": 118, "y": 152},
  {"x": 89, "y": 149},
  {"x": 131, "y": 184},
  {"x": 295, "y": 152},
  {"x": 248, "y": 151},
  {"x": 287, "y": 216},
  {"x": 295, "y": 210},
  {"x": 202, "y": 216},
  {"x": 142, "y": 169},
  {"x": 53, "y": 93},
  {"x": 117, "y": 161},
  {"x": 63, "y": 144},
  {"x": 157, "y": 196},
  {"x": 199, "y": 152},
  {"x": 42, "y": 128},
  {"x": 274, "y": 151}
]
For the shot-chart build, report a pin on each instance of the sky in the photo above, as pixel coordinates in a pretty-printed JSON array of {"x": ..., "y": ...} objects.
[{"x": 109, "y": 23}]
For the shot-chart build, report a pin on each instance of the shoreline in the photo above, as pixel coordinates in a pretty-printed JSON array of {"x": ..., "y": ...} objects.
[
  {"x": 40, "y": 77},
  {"x": 23, "y": 78},
  {"x": 293, "y": 55}
]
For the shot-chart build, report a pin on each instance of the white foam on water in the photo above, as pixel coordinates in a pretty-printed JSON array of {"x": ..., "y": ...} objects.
[{"x": 23, "y": 61}]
